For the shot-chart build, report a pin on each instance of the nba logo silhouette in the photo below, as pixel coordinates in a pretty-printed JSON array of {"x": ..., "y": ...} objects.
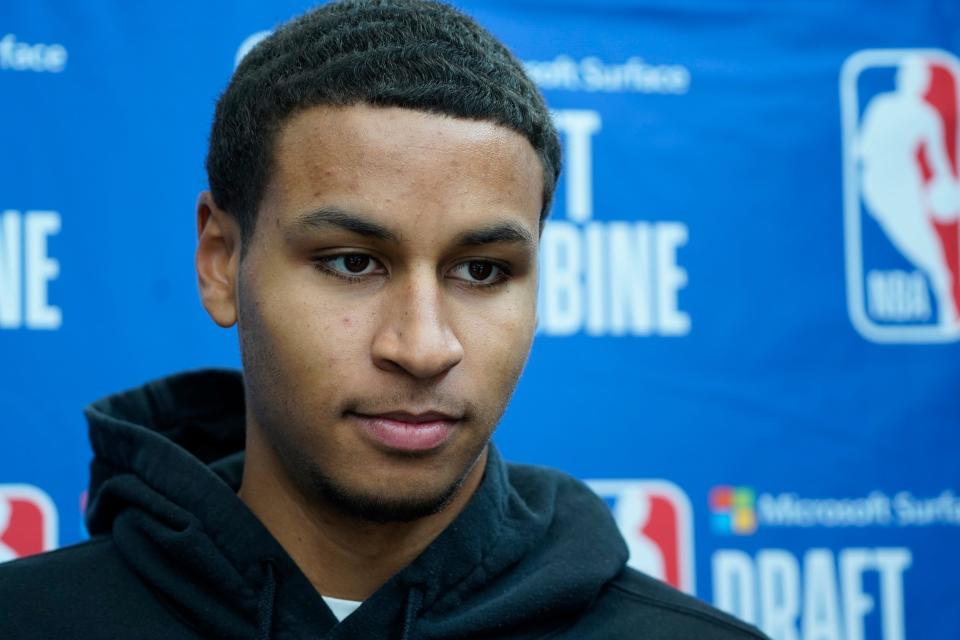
[
  {"x": 902, "y": 194},
  {"x": 28, "y": 521},
  {"x": 656, "y": 521}
]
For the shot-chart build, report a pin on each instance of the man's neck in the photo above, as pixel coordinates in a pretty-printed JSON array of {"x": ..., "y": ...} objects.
[{"x": 343, "y": 556}]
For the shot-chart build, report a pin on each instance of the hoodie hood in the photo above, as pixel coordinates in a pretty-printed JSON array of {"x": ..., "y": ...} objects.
[{"x": 531, "y": 550}]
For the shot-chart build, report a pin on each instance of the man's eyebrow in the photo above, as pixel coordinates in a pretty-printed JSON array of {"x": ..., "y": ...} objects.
[
  {"x": 511, "y": 232},
  {"x": 335, "y": 217}
]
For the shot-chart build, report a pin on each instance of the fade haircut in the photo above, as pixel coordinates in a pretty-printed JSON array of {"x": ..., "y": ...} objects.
[{"x": 416, "y": 54}]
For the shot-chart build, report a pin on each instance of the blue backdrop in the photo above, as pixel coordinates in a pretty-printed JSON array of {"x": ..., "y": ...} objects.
[{"x": 750, "y": 284}]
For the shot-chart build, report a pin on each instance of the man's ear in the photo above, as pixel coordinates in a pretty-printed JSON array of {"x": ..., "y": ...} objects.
[{"x": 218, "y": 260}]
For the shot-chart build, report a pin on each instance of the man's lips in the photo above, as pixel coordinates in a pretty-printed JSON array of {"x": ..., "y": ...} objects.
[
  {"x": 405, "y": 430},
  {"x": 413, "y": 418}
]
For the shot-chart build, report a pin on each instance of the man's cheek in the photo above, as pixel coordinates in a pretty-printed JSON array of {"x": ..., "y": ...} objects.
[
  {"x": 295, "y": 326},
  {"x": 506, "y": 358}
]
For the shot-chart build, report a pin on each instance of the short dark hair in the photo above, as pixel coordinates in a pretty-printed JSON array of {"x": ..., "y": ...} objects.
[{"x": 417, "y": 54}]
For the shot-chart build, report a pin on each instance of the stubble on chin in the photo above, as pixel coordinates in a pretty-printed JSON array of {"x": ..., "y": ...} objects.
[{"x": 382, "y": 508}]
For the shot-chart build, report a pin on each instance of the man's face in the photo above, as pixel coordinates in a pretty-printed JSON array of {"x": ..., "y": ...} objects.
[{"x": 387, "y": 301}]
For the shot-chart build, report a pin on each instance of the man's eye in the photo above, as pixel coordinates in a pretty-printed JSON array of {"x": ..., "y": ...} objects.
[
  {"x": 480, "y": 272},
  {"x": 350, "y": 264}
]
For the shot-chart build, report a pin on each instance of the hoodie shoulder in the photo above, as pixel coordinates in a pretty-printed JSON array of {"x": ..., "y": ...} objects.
[
  {"x": 80, "y": 591},
  {"x": 634, "y": 605},
  {"x": 583, "y": 549}
]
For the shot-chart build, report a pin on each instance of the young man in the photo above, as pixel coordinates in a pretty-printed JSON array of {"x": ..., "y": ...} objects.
[{"x": 379, "y": 174}]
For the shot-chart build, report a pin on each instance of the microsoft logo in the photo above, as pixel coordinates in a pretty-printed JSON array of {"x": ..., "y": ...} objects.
[{"x": 733, "y": 510}]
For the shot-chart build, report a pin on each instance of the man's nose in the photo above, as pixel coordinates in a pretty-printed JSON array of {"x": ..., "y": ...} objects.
[{"x": 415, "y": 334}]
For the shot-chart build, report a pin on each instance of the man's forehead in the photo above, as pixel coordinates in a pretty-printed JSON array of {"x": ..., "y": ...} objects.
[
  {"x": 406, "y": 164},
  {"x": 354, "y": 129}
]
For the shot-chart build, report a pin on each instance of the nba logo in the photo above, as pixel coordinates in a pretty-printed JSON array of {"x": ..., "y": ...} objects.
[
  {"x": 902, "y": 194},
  {"x": 28, "y": 521},
  {"x": 656, "y": 521}
]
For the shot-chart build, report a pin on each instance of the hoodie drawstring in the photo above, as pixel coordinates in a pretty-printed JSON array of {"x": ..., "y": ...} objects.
[
  {"x": 265, "y": 606},
  {"x": 414, "y": 602}
]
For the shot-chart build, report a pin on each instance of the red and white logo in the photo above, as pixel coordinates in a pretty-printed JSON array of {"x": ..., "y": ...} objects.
[
  {"x": 656, "y": 521},
  {"x": 28, "y": 521},
  {"x": 902, "y": 194}
]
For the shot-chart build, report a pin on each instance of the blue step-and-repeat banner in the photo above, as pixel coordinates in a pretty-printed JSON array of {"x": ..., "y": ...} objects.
[{"x": 750, "y": 293}]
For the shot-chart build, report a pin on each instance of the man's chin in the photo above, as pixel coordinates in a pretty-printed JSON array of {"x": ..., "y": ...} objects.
[{"x": 380, "y": 507}]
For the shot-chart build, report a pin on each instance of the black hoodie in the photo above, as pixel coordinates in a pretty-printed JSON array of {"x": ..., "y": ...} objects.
[{"x": 175, "y": 553}]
